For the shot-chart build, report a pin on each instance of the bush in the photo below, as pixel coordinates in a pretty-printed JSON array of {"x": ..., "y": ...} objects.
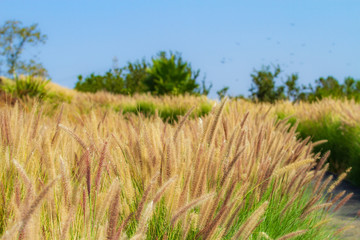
[
  {"x": 31, "y": 87},
  {"x": 326, "y": 87},
  {"x": 165, "y": 75},
  {"x": 135, "y": 76},
  {"x": 27, "y": 87},
  {"x": 167, "y": 113},
  {"x": 146, "y": 108},
  {"x": 263, "y": 88},
  {"x": 342, "y": 141},
  {"x": 171, "y": 75},
  {"x": 112, "y": 82}
]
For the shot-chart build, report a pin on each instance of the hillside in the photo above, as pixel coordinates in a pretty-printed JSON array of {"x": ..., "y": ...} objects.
[{"x": 97, "y": 166}]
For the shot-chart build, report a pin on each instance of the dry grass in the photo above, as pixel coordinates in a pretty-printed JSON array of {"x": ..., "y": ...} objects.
[{"x": 95, "y": 175}]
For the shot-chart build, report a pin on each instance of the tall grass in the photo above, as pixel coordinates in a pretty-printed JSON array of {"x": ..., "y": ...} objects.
[
  {"x": 334, "y": 121},
  {"x": 168, "y": 108},
  {"x": 96, "y": 174}
]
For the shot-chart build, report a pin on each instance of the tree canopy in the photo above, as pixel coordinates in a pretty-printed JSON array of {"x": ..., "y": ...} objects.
[
  {"x": 167, "y": 74},
  {"x": 14, "y": 38}
]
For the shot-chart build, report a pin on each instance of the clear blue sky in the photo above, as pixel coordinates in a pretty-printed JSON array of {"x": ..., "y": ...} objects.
[{"x": 226, "y": 40}]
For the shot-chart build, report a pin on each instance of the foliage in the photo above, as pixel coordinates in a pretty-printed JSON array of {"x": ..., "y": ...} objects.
[
  {"x": 135, "y": 76},
  {"x": 171, "y": 75},
  {"x": 263, "y": 88},
  {"x": 168, "y": 113},
  {"x": 27, "y": 87},
  {"x": 165, "y": 75},
  {"x": 222, "y": 92},
  {"x": 32, "y": 68},
  {"x": 341, "y": 139},
  {"x": 292, "y": 90},
  {"x": 112, "y": 81},
  {"x": 30, "y": 88},
  {"x": 330, "y": 87},
  {"x": 14, "y": 38},
  {"x": 205, "y": 90}
]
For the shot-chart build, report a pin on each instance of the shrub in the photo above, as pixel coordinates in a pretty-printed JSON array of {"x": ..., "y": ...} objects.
[
  {"x": 342, "y": 140},
  {"x": 263, "y": 88},
  {"x": 168, "y": 113},
  {"x": 135, "y": 75},
  {"x": 27, "y": 86},
  {"x": 171, "y": 75},
  {"x": 112, "y": 82},
  {"x": 146, "y": 108}
]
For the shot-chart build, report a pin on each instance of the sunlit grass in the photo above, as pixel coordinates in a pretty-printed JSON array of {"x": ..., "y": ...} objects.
[{"x": 88, "y": 172}]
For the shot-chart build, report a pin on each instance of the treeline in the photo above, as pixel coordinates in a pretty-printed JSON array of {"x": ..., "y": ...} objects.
[
  {"x": 169, "y": 74},
  {"x": 265, "y": 87},
  {"x": 166, "y": 74}
]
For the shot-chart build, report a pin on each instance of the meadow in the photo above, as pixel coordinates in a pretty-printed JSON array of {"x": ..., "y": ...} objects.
[{"x": 103, "y": 166}]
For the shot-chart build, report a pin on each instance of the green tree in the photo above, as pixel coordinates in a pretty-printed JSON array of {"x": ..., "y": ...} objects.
[
  {"x": 222, "y": 92},
  {"x": 263, "y": 87},
  {"x": 350, "y": 87},
  {"x": 14, "y": 37},
  {"x": 292, "y": 89},
  {"x": 326, "y": 87},
  {"x": 205, "y": 90},
  {"x": 164, "y": 75},
  {"x": 171, "y": 75},
  {"x": 330, "y": 87},
  {"x": 135, "y": 75},
  {"x": 112, "y": 82}
]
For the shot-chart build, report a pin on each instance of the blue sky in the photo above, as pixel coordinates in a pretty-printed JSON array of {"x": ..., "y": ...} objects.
[{"x": 226, "y": 40}]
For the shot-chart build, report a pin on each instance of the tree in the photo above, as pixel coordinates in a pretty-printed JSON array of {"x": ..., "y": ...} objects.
[
  {"x": 112, "y": 81},
  {"x": 171, "y": 75},
  {"x": 326, "y": 87},
  {"x": 164, "y": 75},
  {"x": 135, "y": 75},
  {"x": 222, "y": 92},
  {"x": 350, "y": 86},
  {"x": 330, "y": 87},
  {"x": 14, "y": 37},
  {"x": 292, "y": 89},
  {"x": 263, "y": 88},
  {"x": 205, "y": 90}
]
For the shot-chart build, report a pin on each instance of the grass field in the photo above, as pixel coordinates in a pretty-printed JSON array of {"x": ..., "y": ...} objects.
[{"x": 89, "y": 169}]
